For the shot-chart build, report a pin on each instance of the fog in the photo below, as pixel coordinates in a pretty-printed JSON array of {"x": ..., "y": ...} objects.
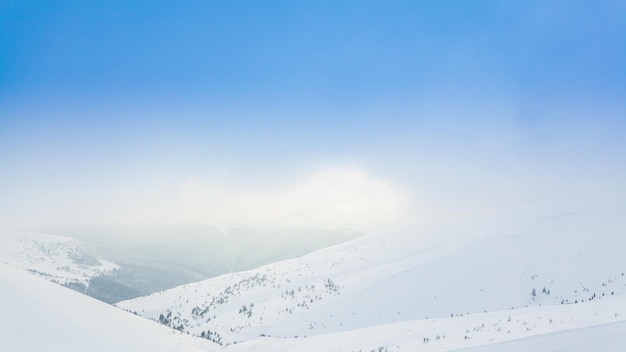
[
  {"x": 418, "y": 166},
  {"x": 114, "y": 117}
]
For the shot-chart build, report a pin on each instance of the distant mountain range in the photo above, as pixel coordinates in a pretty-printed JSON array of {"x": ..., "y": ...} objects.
[
  {"x": 125, "y": 265},
  {"x": 505, "y": 263},
  {"x": 539, "y": 278}
]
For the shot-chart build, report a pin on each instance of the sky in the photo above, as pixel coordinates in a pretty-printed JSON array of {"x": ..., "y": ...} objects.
[{"x": 318, "y": 114}]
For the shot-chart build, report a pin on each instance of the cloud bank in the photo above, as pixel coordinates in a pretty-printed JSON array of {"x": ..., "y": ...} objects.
[
  {"x": 334, "y": 197},
  {"x": 340, "y": 197}
]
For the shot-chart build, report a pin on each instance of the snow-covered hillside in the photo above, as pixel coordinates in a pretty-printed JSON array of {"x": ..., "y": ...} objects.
[
  {"x": 514, "y": 280},
  {"x": 111, "y": 274},
  {"x": 103, "y": 273},
  {"x": 60, "y": 259},
  {"x": 559, "y": 256},
  {"x": 605, "y": 338},
  {"x": 40, "y": 316},
  {"x": 483, "y": 331}
]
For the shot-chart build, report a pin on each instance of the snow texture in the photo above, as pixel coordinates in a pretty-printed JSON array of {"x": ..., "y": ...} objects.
[
  {"x": 59, "y": 259},
  {"x": 548, "y": 269},
  {"x": 38, "y": 315},
  {"x": 540, "y": 278}
]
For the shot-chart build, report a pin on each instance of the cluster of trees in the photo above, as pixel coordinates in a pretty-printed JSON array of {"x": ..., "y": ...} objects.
[
  {"x": 165, "y": 319},
  {"x": 245, "y": 310},
  {"x": 168, "y": 321},
  {"x": 331, "y": 286},
  {"x": 545, "y": 291},
  {"x": 212, "y": 336}
]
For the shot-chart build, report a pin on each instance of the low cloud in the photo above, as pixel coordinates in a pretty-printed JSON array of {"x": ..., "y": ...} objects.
[{"x": 343, "y": 197}]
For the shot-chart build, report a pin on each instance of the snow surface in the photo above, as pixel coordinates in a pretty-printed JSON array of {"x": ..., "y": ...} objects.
[
  {"x": 481, "y": 265},
  {"x": 59, "y": 259},
  {"x": 41, "y": 316},
  {"x": 38, "y": 315},
  {"x": 606, "y": 338},
  {"x": 464, "y": 286},
  {"x": 481, "y": 329}
]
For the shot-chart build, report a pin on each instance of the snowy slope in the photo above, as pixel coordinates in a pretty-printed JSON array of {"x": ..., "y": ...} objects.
[
  {"x": 546, "y": 325},
  {"x": 111, "y": 274},
  {"x": 59, "y": 259},
  {"x": 605, "y": 338},
  {"x": 477, "y": 266},
  {"x": 99, "y": 272},
  {"x": 40, "y": 316}
]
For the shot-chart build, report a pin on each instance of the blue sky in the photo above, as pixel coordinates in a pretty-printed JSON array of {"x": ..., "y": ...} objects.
[
  {"x": 445, "y": 102},
  {"x": 317, "y": 52}
]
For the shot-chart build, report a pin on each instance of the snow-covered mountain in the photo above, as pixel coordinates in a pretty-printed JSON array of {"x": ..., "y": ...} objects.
[
  {"x": 543, "y": 328},
  {"x": 605, "y": 338},
  {"x": 40, "y": 316},
  {"x": 527, "y": 264},
  {"x": 113, "y": 271},
  {"x": 60, "y": 259},
  {"x": 512, "y": 280},
  {"x": 102, "y": 273},
  {"x": 211, "y": 251}
]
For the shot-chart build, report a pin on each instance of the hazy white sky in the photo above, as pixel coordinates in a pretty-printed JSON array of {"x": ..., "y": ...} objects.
[
  {"x": 377, "y": 175},
  {"x": 308, "y": 114}
]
